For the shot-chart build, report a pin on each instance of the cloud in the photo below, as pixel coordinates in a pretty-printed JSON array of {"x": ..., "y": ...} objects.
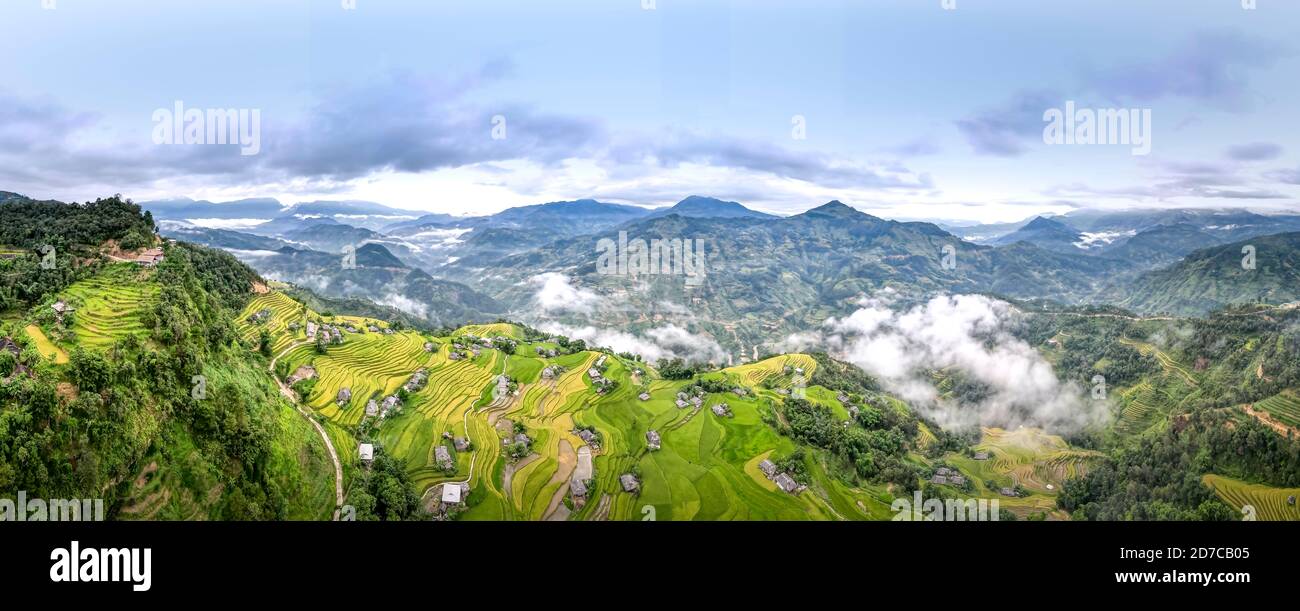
[
  {"x": 555, "y": 294},
  {"x": 1211, "y": 67},
  {"x": 653, "y": 345},
  {"x": 676, "y": 149},
  {"x": 1172, "y": 179},
  {"x": 1006, "y": 131},
  {"x": 405, "y": 304},
  {"x": 1287, "y": 175},
  {"x": 970, "y": 335},
  {"x": 1255, "y": 151}
]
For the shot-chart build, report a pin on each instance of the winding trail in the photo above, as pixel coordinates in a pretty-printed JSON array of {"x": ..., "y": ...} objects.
[{"x": 329, "y": 445}]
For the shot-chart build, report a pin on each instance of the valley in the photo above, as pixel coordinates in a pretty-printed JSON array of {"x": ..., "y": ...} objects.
[{"x": 228, "y": 396}]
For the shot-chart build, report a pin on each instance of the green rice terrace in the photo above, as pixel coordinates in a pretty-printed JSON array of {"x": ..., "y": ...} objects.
[
  {"x": 526, "y": 430},
  {"x": 110, "y": 306},
  {"x": 502, "y": 422}
]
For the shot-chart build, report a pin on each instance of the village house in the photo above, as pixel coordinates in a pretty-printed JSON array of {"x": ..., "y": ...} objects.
[
  {"x": 645, "y": 396},
  {"x": 150, "y": 257},
  {"x": 428, "y": 346},
  {"x": 524, "y": 439},
  {"x": 629, "y": 482},
  {"x": 451, "y": 493},
  {"x": 417, "y": 380},
  {"x": 60, "y": 308},
  {"x": 345, "y": 396},
  {"x": 1007, "y": 492},
  {"x": 366, "y": 452},
  {"x": 652, "y": 439},
  {"x": 311, "y": 330},
  {"x": 390, "y": 402},
  {"x": 372, "y": 409},
  {"x": 8, "y": 345},
  {"x": 722, "y": 410},
  {"x": 388, "y": 331},
  {"x": 443, "y": 458},
  {"x": 786, "y": 483},
  {"x": 551, "y": 353},
  {"x": 981, "y": 456},
  {"x": 503, "y": 386},
  {"x": 461, "y": 444},
  {"x": 303, "y": 372},
  {"x": 372, "y": 329},
  {"x": 577, "y": 488},
  {"x": 586, "y": 435},
  {"x": 740, "y": 392},
  {"x": 681, "y": 403},
  {"x": 768, "y": 468}
]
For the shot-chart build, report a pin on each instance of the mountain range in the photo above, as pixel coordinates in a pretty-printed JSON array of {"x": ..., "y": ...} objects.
[{"x": 767, "y": 276}]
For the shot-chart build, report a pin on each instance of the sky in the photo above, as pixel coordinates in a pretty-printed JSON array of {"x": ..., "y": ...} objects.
[{"x": 902, "y": 108}]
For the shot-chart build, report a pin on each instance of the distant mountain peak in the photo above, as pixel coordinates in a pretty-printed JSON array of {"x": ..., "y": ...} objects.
[
  {"x": 1042, "y": 222},
  {"x": 836, "y": 209},
  {"x": 699, "y": 206}
]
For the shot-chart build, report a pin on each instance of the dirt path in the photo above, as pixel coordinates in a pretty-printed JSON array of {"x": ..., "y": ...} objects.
[
  {"x": 1282, "y": 428},
  {"x": 329, "y": 445}
]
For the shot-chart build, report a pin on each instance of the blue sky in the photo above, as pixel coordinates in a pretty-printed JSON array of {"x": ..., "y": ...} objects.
[{"x": 912, "y": 111}]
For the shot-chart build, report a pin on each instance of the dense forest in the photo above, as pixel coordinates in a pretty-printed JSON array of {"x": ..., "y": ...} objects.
[
  {"x": 88, "y": 428},
  {"x": 55, "y": 243}
]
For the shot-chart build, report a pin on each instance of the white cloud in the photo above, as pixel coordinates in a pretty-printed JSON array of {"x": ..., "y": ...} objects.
[
  {"x": 969, "y": 334},
  {"x": 556, "y": 294},
  {"x": 654, "y": 345},
  {"x": 405, "y": 304}
]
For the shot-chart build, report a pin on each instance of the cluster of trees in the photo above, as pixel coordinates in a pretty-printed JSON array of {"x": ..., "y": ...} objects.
[
  {"x": 875, "y": 453},
  {"x": 191, "y": 396},
  {"x": 832, "y": 373},
  {"x": 384, "y": 492},
  {"x": 1158, "y": 476},
  {"x": 30, "y": 224},
  {"x": 676, "y": 369},
  {"x": 71, "y": 230}
]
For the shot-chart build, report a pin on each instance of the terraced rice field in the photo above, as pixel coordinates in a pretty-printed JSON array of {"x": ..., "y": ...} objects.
[
  {"x": 284, "y": 311},
  {"x": 1027, "y": 457},
  {"x": 45, "y": 346},
  {"x": 706, "y": 468},
  {"x": 371, "y": 365},
  {"x": 1284, "y": 406},
  {"x": 491, "y": 330},
  {"x": 753, "y": 374},
  {"x": 1269, "y": 503},
  {"x": 1143, "y": 404},
  {"x": 110, "y": 306}
]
